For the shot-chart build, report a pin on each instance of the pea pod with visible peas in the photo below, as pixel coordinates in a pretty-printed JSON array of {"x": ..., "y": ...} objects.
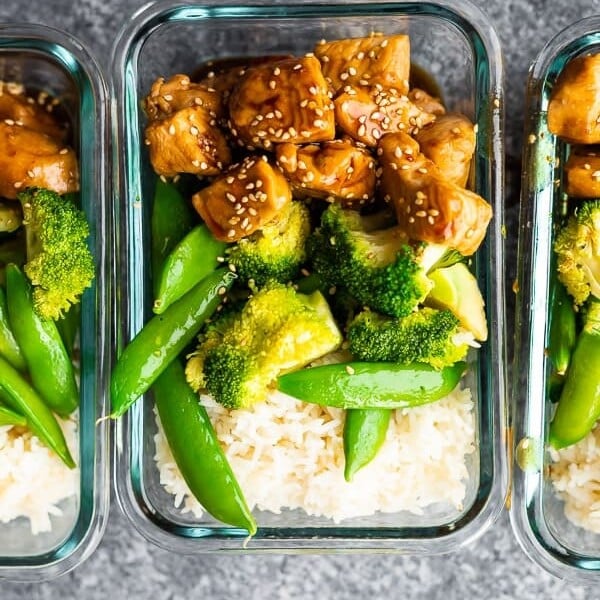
[
  {"x": 196, "y": 450},
  {"x": 163, "y": 338}
]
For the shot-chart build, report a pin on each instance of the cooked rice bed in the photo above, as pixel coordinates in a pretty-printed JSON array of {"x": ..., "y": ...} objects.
[{"x": 289, "y": 454}]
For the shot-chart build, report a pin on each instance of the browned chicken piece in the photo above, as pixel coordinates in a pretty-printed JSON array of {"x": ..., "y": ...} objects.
[
  {"x": 450, "y": 143},
  {"x": 168, "y": 97},
  {"x": 286, "y": 101},
  {"x": 186, "y": 142},
  {"x": 367, "y": 114},
  {"x": 574, "y": 108},
  {"x": 243, "y": 199},
  {"x": 30, "y": 112},
  {"x": 426, "y": 102},
  {"x": 29, "y": 158},
  {"x": 338, "y": 171},
  {"x": 428, "y": 207},
  {"x": 582, "y": 171},
  {"x": 370, "y": 61}
]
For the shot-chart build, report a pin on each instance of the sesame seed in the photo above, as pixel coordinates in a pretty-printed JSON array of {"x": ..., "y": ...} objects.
[
  {"x": 421, "y": 213},
  {"x": 422, "y": 170},
  {"x": 418, "y": 201},
  {"x": 360, "y": 55},
  {"x": 30, "y": 173},
  {"x": 203, "y": 165},
  {"x": 17, "y": 184},
  {"x": 397, "y": 152},
  {"x": 362, "y": 130},
  {"x": 344, "y": 76},
  {"x": 223, "y": 290},
  {"x": 245, "y": 222},
  {"x": 430, "y": 220},
  {"x": 469, "y": 233},
  {"x": 349, "y": 370},
  {"x": 587, "y": 166},
  {"x": 168, "y": 97},
  {"x": 194, "y": 130},
  {"x": 475, "y": 128},
  {"x": 384, "y": 43},
  {"x": 332, "y": 241},
  {"x": 310, "y": 176},
  {"x": 376, "y": 133},
  {"x": 252, "y": 212},
  {"x": 420, "y": 194},
  {"x": 303, "y": 103},
  {"x": 9, "y": 121},
  {"x": 272, "y": 84},
  {"x": 198, "y": 101},
  {"x": 172, "y": 130},
  {"x": 196, "y": 163},
  {"x": 231, "y": 233},
  {"x": 230, "y": 179},
  {"x": 596, "y": 174},
  {"x": 434, "y": 212},
  {"x": 297, "y": 67},
  {"x": 411, "y": 219},
  {"x": 362, "y": 118},
  {"x": 455, "y": 130},
  {"x": 278, "y": 114},
  {"x": 233, "y": 220},
  {"x": 276, "y": 71},
  {"x": 313, "y": 90},
  {"x": 64, "y": 151},
  {"x": 404, "y": 167},
  {"x": 318, "y": 123},
  {"x": 230, "y": 197}
]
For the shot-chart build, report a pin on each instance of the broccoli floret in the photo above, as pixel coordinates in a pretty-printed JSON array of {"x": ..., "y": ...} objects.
[
  {"x": 59, "y": 263},
  {"x": 373, "y": 260},
  {"x": 577, "y": 248},
  {"x": 276, "y": 331},
  {"x": 427, "y": 335},
  {"x": 276, "y": 251}
]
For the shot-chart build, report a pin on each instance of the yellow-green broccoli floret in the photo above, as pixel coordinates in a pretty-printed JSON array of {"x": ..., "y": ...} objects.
[
  {"x": 276, "y": 251},
  {"x": 577, "y": 248},
  {"x": 372, "y": 259},
  {"x": 278, "y": 330},
  {"x": 59, "y": 263},
  {"x": 428, "y": 336}
]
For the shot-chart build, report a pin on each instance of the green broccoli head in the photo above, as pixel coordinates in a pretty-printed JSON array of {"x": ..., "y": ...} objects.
[
  {"x": 59, "y": 263},
  {"x": 372, "y": 260},
  {"x": 278, "y": 330},
  {"x": 577, "y": 248},
  {"x": 276, "y": 251},
  {"x": 428, "y": 335}
]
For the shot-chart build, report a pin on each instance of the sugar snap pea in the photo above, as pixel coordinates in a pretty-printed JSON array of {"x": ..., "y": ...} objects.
[
  {"x": 163, "y": 338},
  {"x": 562, "y": 334},
  {"x": 9, "y": 348},
  {"x": 371, "y": 385},
  {"x": 10, "y": 417}
]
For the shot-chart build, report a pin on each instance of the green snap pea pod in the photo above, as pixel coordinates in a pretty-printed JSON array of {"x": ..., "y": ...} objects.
[
  {"x": 9, "y": 417},
  {"x": 49, "y": 365},
  {"x": 371, "y": 385},
  {"x": 172, "y": 218},
  {"x": 364, "y": 434},
  {"x": 562, "y": 335},
  {"x": 24, "y": 399},
  {"x": 197, "y": 451},
  {"x": 68, "y": 326},
  {"x": 192, "y": 259},
  {"x": 163, "y": 338},
  {"x": 9, "y": 348}
]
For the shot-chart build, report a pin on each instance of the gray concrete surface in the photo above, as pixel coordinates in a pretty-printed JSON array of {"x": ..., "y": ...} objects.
[{"x": 126, "y": 566}]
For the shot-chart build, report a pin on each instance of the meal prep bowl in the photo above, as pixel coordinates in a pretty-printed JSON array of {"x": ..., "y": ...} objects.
[
  {"x": 44, "y": 59},
  {"x": 456, "y": 45},
  {"x": 537, "y": 515}
]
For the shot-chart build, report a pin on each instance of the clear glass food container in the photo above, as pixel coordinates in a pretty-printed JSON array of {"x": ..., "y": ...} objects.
[
  {"x": 537, "y": 514},
  {"x": 456, "y": 45},
  {"x": 47, "y": 60}
]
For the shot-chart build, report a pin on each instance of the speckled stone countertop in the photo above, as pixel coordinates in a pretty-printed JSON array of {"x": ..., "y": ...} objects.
[{"x": 126, "y": 566}]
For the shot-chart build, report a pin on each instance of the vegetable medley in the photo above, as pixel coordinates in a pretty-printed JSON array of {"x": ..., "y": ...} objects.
[{"x": 317, "y": 214}]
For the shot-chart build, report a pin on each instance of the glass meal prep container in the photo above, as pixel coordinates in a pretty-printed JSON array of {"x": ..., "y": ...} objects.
[
  {"x": 537, "y": 514},
  {"x": 459, "y": 49},
  {"x": 47, "y": 60}
]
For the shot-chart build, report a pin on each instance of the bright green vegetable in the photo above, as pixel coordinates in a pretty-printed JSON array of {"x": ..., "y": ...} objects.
[
  {"x": 68, "y": 327},
  {"x": 59, "y": 263},
  {"x": 562, "y": 336},
  {"x": 9, "y": 348},
  {"x": 163, "y": 338},
  {"x": 371, "y": 385},
  {"x": 428, "y": 335},
  {"x": 49, "y": 365},
  {"x": 364, "y": 434},
  {"x": 372, "y": 260},
  {"x": 192, "y": 259},
  {"x": 9, "y": 417},
  {"x": 197, "y": 451},
  {"x": 276, "y": 251},
  {"x": 277, "y": 330}
]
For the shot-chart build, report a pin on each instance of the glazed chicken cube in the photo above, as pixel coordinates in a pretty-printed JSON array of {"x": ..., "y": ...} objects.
[
  {"x": 29, "y": 158},
  {"x": 338, "y": 171},
  {"x": 286, "y": 101},
  {"x": 582, "y": 171},
  {"x": 370, "y": 61},
  {"x": 427, "y": 103},
  {"x": 574, "y": 108},
  {"x": 243, "y": 199},
  {"x": 367, "y": 114},
  {"x": 187, "y": 142},
  {"x": 450, "y": 143},
  {"x": 429, "y": 207}
]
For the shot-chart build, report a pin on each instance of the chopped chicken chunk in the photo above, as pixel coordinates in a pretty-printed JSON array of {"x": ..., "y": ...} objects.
[
  {"x": 32, "y": 159},
  {"x": 187, "y": 142},
  {"x": 426, "y": 102},
  {"x": 368, "y": 114},
  {"x": 428, "y": 207},
  {"x": 583, "y": 174},
  {"x": 243, "y": 199},
  {"x": 286, "y": 101},
  {"x": 450, "y": 143},
  {"x": 370, "y": 61},
  {"x": 338, "y": 171},
  {"x": 574, "y": 108}
]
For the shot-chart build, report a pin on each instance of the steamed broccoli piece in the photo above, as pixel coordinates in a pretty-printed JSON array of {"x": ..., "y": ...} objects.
[
  {"x": 276, "y": 251},
  {"x": 278, "y": 330},
  {"x": 59, "y": 263},
  {"x": 373, "y": 260},
  {"x": 428, "y": 336},
  {"x": 577, "y": 248}
]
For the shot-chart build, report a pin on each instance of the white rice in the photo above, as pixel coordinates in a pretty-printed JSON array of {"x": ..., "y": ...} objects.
[
  {"x": 33, "y": 480},
  {"x": 289, "y": 454},
  {"x": 575, "y": 474}
]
